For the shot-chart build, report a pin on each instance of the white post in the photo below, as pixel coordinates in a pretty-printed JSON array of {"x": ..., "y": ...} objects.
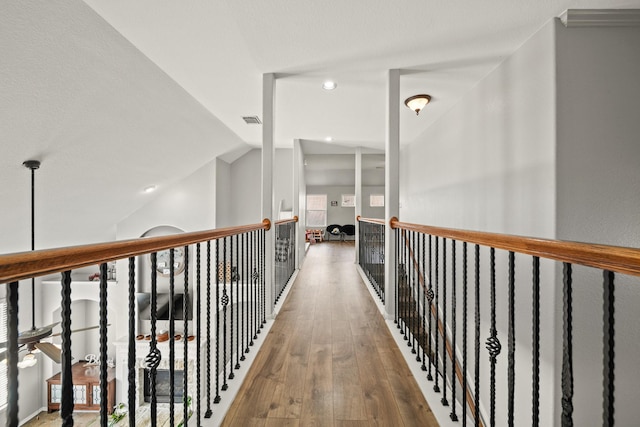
[
  {"x": 392, "y": 187},
  {"x": 299, "y": 192},
  {"x": 268, "y": 153},
  {"x": 359, "y": 200}
]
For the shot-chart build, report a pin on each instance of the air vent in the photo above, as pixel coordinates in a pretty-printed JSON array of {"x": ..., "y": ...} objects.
[{"x": 251, "y": 120}]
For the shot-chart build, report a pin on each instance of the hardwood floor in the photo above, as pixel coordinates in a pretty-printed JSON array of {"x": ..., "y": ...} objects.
[{"x": 329, "y": 359}]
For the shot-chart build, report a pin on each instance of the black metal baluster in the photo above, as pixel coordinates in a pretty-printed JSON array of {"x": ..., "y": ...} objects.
[
  {"x": 220, "y": 270},
  {"x": 436, "y": 387},
  {"x": 198, "y": 335},
  {"x": 453, "y": 415},
  {"x": 430, "y": 296},
  {"x": 493, "y": 344},
  {"x": 444, "y": 400},
  {"x": 535, "y": 401},
  {"x": 231, "y": 293},
  {"x": 12, "y": 354},
  {"x": 186, "y": 310},
  {"x": 103, "y": 345},
  {"x": 152, "y": 361},
  {"x": 226, "y": 268},
  {"x": 208, "y": 412},
  {"x": 131, "y": 365},
  {"x": 245, "y": 286},
  {"x": 476, "y": 393},
  {"x": 172, "y": 333},
  {"x": 567, "y": 345},
  {"x": 464, "y": 333},
  {"x": 423, "y": 334},
  {"x": 256, "y": 278},
  {"x": 405, "y": 287},
  {"x": 511, "y": 346},
  {"x": 608, "y": 349},
  {"x": 238, "y": 306},
  {"x": 263, "y": 267},
  {"x": 415, "y": 289},
  {"x": 66, "y": 404},
  {"x": 397, "y": 279},
  {"x": 250, "y": 291}
]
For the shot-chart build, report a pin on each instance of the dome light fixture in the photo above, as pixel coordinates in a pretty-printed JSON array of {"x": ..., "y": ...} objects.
[
  {"x": 329, "y": 85},
  {"x": 417, "y": 102},
  {"x": 150, "y": 189},
  {"x": 328, "y": 139}
]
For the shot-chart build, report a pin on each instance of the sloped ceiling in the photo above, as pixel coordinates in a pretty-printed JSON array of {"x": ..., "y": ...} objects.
[{"x": 115, "y": 95}]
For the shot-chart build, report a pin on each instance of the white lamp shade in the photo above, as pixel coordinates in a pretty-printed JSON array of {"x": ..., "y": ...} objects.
[{"x": 417, "y": 102}]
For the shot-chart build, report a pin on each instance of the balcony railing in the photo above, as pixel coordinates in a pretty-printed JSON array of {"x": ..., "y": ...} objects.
[
  {"x": 285, "y": 254},
  {"x": 371, "y": 252},
  {"x": 224, "y": 276},
  {"x": 448, "y": 280}
]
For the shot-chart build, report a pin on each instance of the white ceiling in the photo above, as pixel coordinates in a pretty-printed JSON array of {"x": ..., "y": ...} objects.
[{"x": 115, "y": 95}]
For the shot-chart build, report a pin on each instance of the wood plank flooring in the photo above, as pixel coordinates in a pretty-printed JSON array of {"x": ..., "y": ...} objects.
[{"x": 329, "y": 359}]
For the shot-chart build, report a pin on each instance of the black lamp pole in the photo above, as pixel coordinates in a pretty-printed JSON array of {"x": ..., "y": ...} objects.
[{"x": 33, "y": 165}]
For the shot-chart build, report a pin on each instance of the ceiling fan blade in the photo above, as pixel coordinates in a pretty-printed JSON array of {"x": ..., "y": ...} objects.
[
  {"x": 53, "y": 352},
  {"x": 33, "y": 335},
  {"x": 88, "y": 328}
]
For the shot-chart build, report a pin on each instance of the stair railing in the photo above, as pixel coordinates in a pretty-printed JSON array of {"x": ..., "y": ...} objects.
[
  {"x": 440, "y": 254},
  {"x": 285, "y": 254},
  {"x": 224, "y": 269},
  {"x": 371, "y": 252}
]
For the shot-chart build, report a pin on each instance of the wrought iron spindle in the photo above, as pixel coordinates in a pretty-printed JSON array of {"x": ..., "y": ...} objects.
[
  {"x": 405, "y": 287},
  {"x": 245, "y": 295},
  {"x": 535, "y": 387},
  {"x": 425, "y": 309},
  {"x": 263, "y": 267},
  {"x": 444, "y": 400},
  {"x": 464, "y": 332},
  {"x": 66, "y": 404},
  {"x": 198, "y": 333},
  {"x": 103, "y": 345},
  {"x": 476, "y": 393},
  {"x": 608, "y": 349},
  {"x": 186, "y": 310},
  {"x": 12, "y": 354},
  {"x": 254, "y": 278},
  {"x": 436, "y": 387},
  {"x": 250, "y": 299},
  {"x": 397, "y": 279},
  {"x": 493, "y": 344},
  {"x": 220, "y": 269},
  {"x": 430, "y": 296},
  {"x": 415, "y": 283},
  {"x": 225, "y": 302},
  {"x": 172, "y": 333},
  {"x": 208, "y": 412},
  {"x": 153, "y": 358},
  {"x": 238, "y": 306},
  {"x": 511, "y": 350},
  {"x": 453, "y": 415},
  {"x": 231, "y": 294},
  {"x": 131, "y": 364},
  {"x": 567, "y": 346}
]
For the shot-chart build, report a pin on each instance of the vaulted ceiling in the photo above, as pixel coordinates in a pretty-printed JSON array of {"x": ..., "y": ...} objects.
[{"x": 115, "y": 95}]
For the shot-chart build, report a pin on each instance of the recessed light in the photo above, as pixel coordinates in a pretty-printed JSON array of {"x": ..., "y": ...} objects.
[
  {"x": 329, "y": 85},
  {"x": 150, "y": 189},
  {"x": 328, "y": 139}
]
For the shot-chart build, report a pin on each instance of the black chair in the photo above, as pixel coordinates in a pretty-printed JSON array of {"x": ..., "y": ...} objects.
[
  {"x": 348, "y": 230},
  {"x": 333, "y": 230}
]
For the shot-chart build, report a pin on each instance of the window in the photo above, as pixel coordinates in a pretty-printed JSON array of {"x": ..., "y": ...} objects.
[
  {"x": 316, "y": 210},
  {"x": 348, "y": 200},
  {"x": 376, "y": 200},
  {"x": 3, "y": 365}
]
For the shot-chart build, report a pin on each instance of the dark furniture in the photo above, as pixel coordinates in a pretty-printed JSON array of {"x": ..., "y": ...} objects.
[{"x": 334, "y": 230}]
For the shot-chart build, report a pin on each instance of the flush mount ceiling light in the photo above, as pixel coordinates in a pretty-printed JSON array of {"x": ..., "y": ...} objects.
[
  {"x": 417, "y": 102},
  {"x": 150, "y": 189},
  {"x": 328, "y": 139},
  {"x": 329, "y": 85}
]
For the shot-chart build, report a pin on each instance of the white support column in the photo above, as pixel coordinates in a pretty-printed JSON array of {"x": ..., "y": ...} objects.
[
  {"x": 268, "y": 154},
  {"x": 359, "y": 200},
  {"x": 392, "y": 186},
  {"x": 299, "y": 191}
]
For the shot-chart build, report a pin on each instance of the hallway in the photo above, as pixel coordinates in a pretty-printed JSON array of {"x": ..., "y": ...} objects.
[{"x": 329, "y": 359}]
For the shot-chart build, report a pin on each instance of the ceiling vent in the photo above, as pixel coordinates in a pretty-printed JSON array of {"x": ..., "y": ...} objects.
[{"x": 251, "y": 120}]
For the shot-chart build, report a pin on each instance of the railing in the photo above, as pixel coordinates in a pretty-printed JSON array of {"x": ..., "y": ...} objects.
[
  {"x": 285, "y": 254},
  {"x": 223, "y": 270},
  {"x": 437, "y": 268},
  {"x": 371, "y": 252}
]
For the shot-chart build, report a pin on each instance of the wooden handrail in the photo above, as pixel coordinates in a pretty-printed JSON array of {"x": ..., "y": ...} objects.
[
  {"x": 371, "y": 220},
  {"x": 613, "y": 258},
  {"x": 285, "y": 221},
  {"x": 24, "y": 265}
]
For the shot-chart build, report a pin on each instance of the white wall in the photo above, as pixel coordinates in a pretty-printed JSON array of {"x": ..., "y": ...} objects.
[
  {"x": 246, "y": 188},
  {"x": 598, "y": 182},
  {"x": 224, "y": 217},
  {"x": 283, "y": 180},
  {"x": 489, "y": 165}
]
